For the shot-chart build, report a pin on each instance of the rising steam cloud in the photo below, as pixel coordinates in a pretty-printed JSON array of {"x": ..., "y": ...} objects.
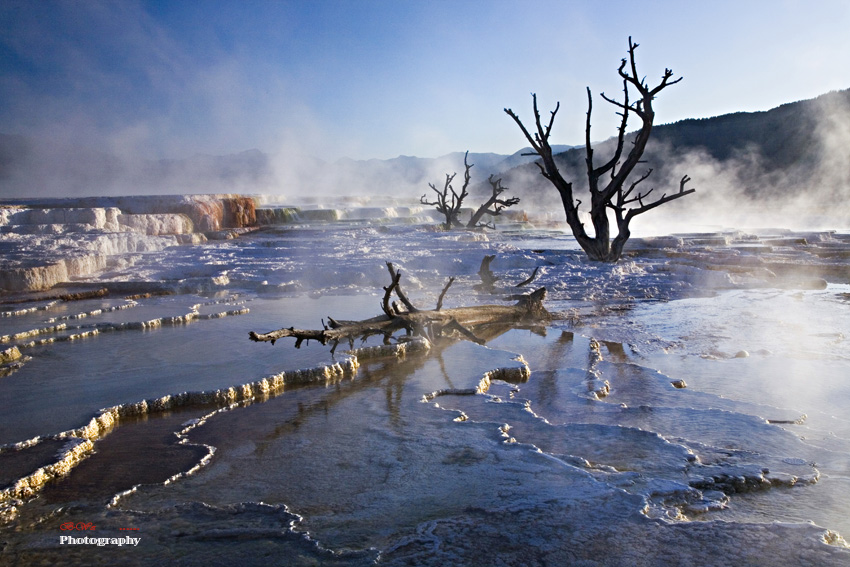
[{"x": 744, "y": 190}]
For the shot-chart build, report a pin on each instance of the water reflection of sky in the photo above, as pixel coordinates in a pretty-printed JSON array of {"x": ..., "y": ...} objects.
[{"x": 597, "y": 454}]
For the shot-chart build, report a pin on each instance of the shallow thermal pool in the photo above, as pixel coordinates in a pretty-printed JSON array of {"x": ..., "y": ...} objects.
[{"x": 671, "y": 413}]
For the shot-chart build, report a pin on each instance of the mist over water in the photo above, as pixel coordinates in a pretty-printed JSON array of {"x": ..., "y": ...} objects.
[
  {"x": 171, "y": 180},
  {"x": 689, "y": 397}
]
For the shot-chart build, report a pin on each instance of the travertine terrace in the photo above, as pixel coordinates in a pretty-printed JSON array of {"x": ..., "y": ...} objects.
[{"x": 50, "y": 241}]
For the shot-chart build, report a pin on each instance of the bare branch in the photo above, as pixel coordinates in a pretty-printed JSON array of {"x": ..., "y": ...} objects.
[
  {"x": 622, "y": 197},
  {"x": 443, "y": 293},
  {"x": 588, "y": 148},
  {"x": 530, "y": 278},
  {"x": 528, "y": 136},
  {"x": 664, "y": 199},
  {"x": 493, "y": 206},
  {"x": 449, "y": 202},
  {"x": 551, "y": 119},
  {"x": 593, "y": 175},
  {"x": 632, "y": 48},
  {"x": 401, "y": 295},
  {"x": 665, "y": 82},
  {"x": 612, "y": 195},
  {"x": 385, "y": 304}
]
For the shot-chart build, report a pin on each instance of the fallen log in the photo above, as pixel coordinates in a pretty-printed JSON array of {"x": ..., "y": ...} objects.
[{"x": 431, "y": 324}]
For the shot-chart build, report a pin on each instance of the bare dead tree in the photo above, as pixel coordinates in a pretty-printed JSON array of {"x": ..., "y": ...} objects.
[
  {"x": 625, "y": 200},
  {"x": 449, "y": 201},
  {"x": 493, "y": 206}
]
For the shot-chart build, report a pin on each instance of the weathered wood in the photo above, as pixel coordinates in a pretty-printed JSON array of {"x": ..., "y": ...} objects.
[
  {"x": 443, "y": 293},
  {"x": 492, "y": 206},
  {"x": 430, "y": 324},
  {"x": 449, "y": 202},
  {"x": 529, "y": 308},
  {"x": 488, "y": 278}
]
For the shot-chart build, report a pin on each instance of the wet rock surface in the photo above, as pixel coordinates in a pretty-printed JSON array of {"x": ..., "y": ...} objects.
[
  {"x": 51, "y": 241},
  {"x": 139, "y": 404}
]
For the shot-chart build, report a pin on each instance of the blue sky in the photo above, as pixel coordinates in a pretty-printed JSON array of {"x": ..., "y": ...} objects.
[{"x": 377, "y": 79}]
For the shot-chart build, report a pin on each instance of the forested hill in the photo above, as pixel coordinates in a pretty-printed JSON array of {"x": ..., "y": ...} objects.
[
  {"x": 784, "y": 136},
  {"x": 773, "y": 152}
]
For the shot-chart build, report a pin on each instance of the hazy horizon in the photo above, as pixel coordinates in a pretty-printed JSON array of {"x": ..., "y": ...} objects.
[{"x": 377, "y": 80}]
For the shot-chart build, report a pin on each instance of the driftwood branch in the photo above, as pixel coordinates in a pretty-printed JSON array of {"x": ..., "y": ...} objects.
[
  {"x": 396, "y": 276},
  {"x": 443, "y": 293},
  {"x": 462, "y": 321},
  {"x": 388, "y": 292},
  {"x": 530, "y": 278},
  {"x": 528, "y": 308},
  {"x": 488, "y": 278}
]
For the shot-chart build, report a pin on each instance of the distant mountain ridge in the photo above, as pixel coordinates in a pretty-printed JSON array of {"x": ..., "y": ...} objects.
[
  {"x": 33, "y": 168},
  {"x": 792, "y": 143},
  {"x": 785, "y": 135}
]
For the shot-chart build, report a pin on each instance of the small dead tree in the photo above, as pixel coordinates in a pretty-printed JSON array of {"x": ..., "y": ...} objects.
[
  {"x": 616, "y": 195},
  {"x": 493, "y": 206},
  {"x": 449, "y": 201}
]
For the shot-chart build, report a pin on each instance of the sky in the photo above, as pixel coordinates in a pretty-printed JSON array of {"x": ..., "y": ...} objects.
[{"x": 377, "y": 79}]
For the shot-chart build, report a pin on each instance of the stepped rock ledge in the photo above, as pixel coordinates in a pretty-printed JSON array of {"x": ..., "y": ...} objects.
[{"x": 45, "y": 242}]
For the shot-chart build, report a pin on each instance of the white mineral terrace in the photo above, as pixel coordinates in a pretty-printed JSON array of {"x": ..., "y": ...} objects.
[
  {"x": 46, "y": 242},
  {"x": 686, "y": 405}
]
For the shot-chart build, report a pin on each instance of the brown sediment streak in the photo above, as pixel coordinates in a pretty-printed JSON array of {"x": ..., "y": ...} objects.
[{"x": 81, "y": 441}]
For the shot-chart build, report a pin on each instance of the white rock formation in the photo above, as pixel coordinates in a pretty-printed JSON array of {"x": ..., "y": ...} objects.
[
  {"x": 49, "y": 241},
  {"x": 157, "y": 224}
]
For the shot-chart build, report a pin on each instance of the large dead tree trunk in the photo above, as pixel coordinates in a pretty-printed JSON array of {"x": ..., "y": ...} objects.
[
  {"x": 431, "y": 324},
  {"x": 615, "y": 194}
]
